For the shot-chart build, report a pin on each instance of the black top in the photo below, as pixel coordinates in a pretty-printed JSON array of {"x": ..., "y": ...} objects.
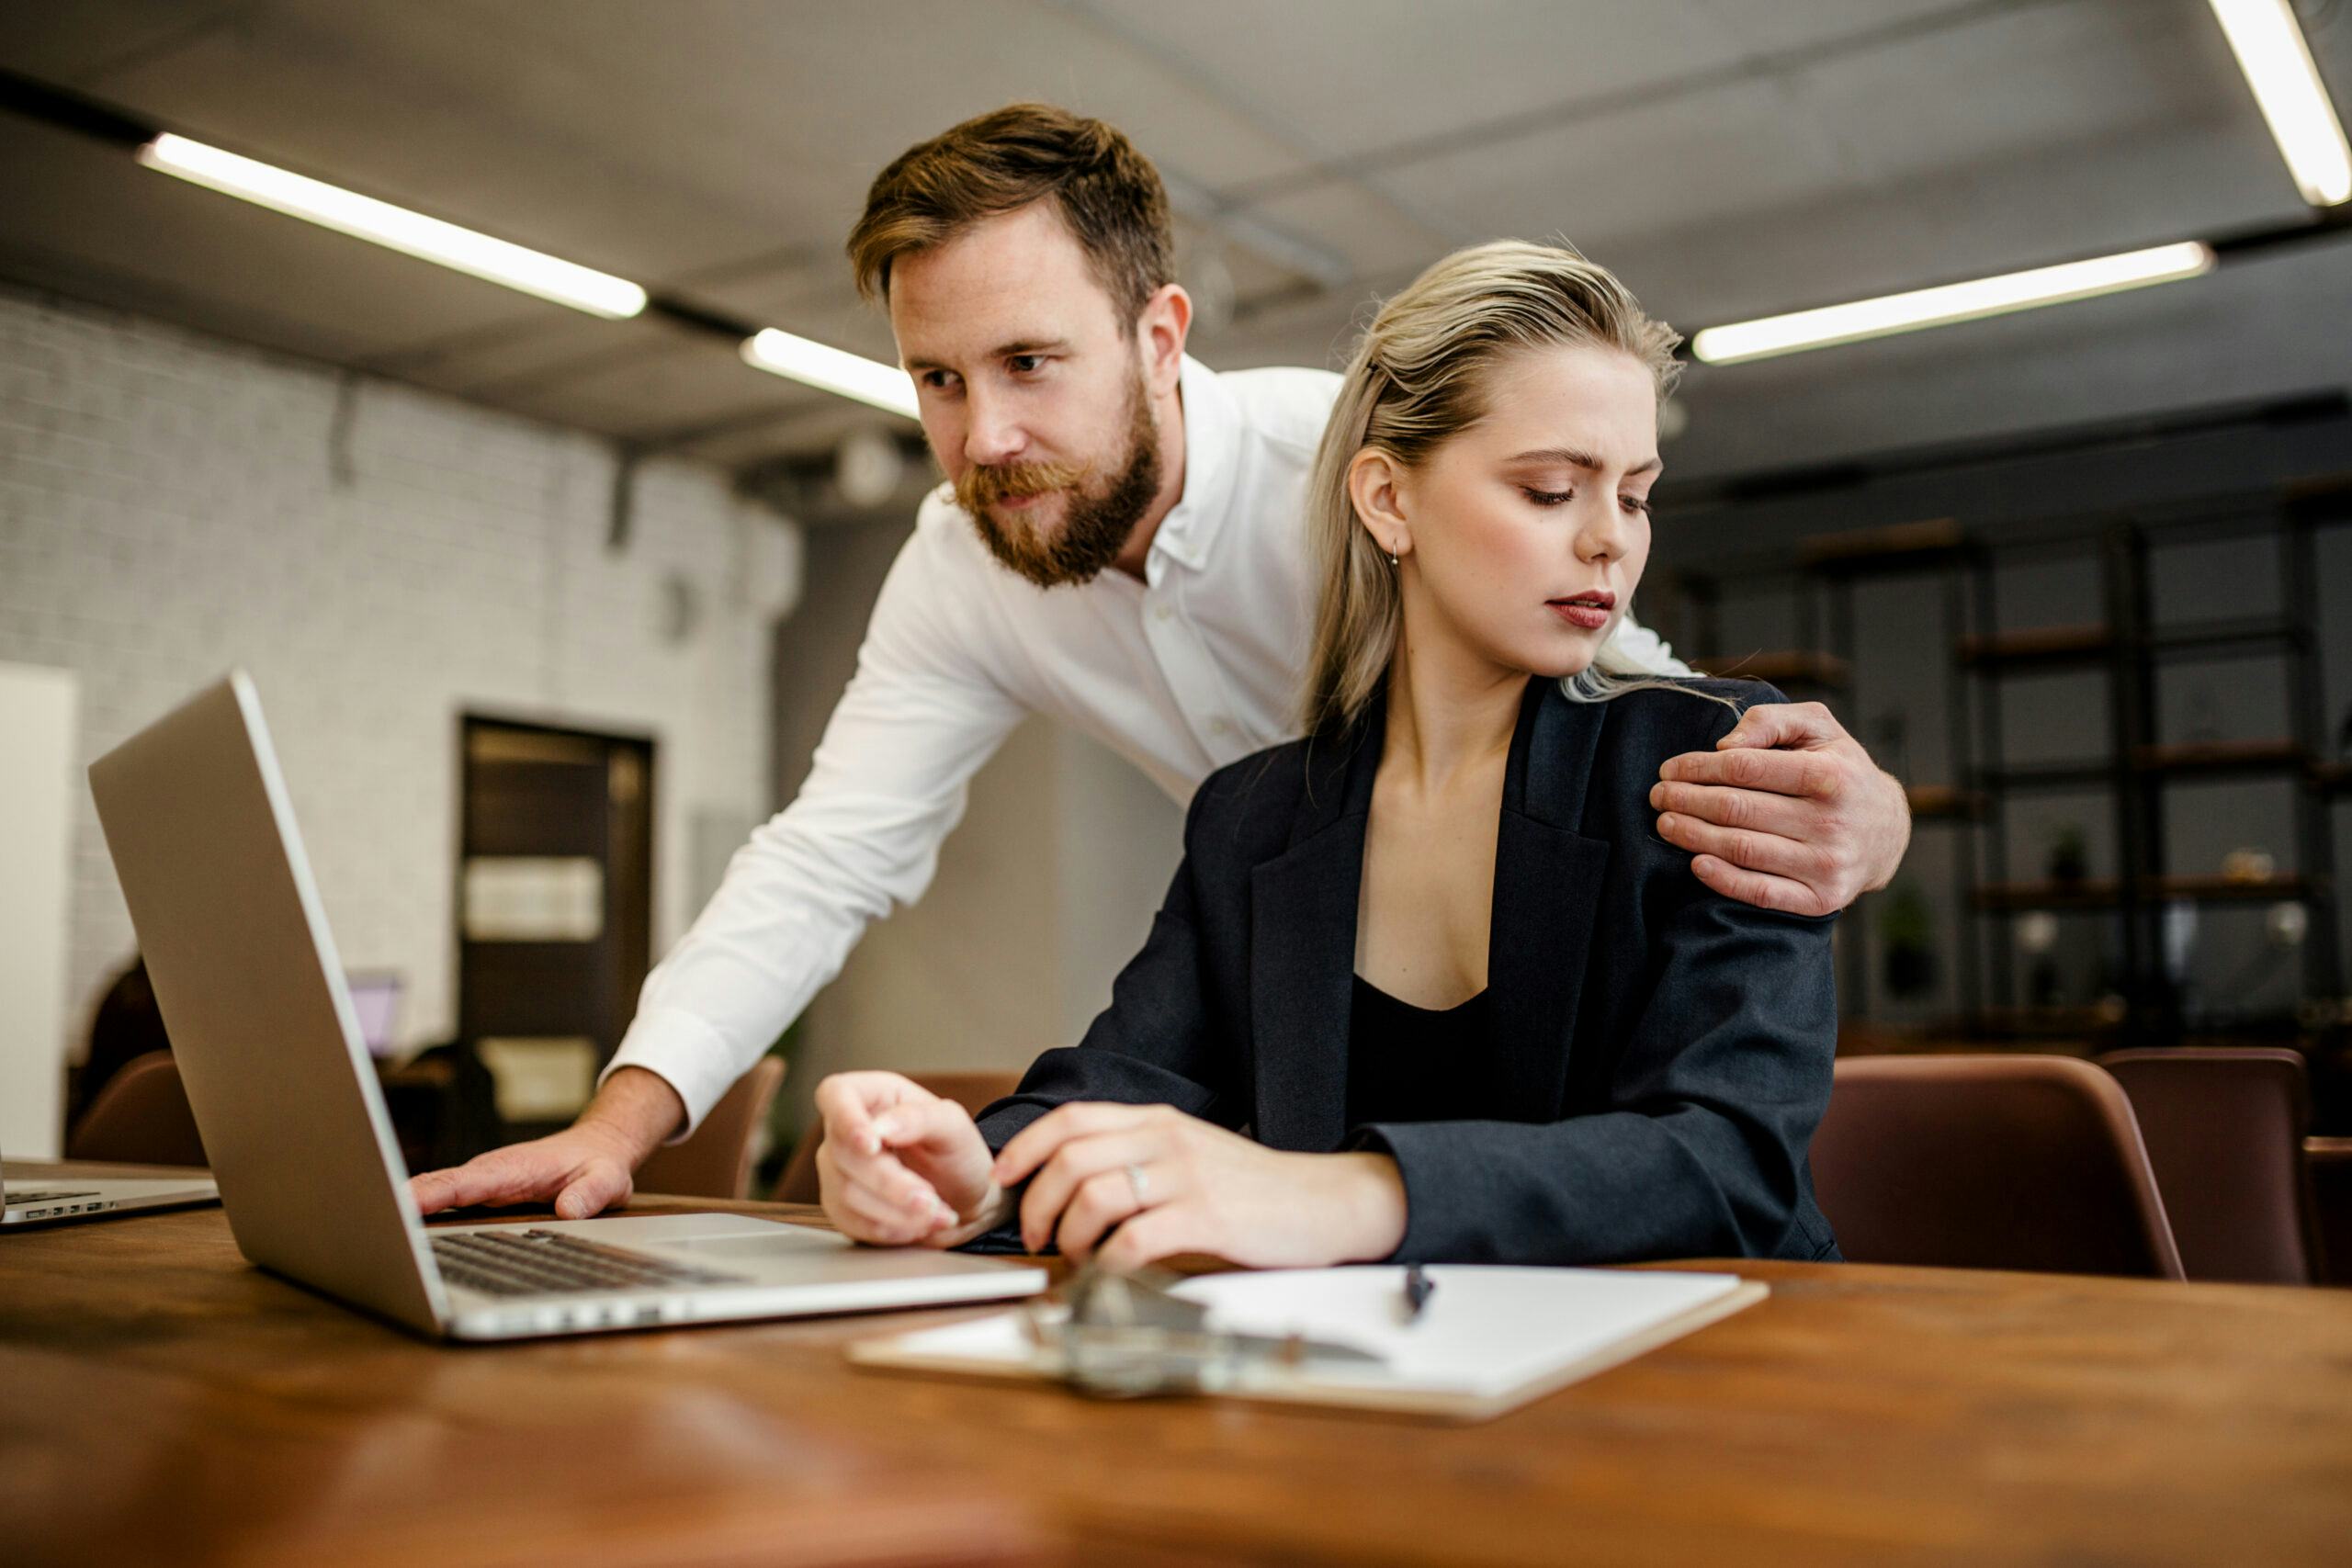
[
  {"x": 1660, "y": 1052},
  {"x": 1409, "y": 1064}
]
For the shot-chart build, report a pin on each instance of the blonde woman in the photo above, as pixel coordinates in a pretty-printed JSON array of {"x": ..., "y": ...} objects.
[{"x": 1427, "y": 987}]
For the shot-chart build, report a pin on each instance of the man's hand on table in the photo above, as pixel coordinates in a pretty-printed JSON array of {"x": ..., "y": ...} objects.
[
  {"x": 1787, "y": 812},
  {"x": 581, "y": 1171}
]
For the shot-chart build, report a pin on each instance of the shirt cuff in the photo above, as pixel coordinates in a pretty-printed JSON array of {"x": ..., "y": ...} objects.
[{"x": 685, "y": 1052}]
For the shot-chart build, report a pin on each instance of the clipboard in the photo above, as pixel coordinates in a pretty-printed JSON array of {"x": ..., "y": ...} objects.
[{"x": 1490, "y": 1340}]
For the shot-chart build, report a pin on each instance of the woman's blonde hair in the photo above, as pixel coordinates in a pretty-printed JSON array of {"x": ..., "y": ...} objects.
[{"x": 1419, "y": 379}]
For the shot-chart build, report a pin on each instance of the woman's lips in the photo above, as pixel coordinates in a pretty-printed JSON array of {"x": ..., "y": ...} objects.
[{"x": 1590, "y": 611}]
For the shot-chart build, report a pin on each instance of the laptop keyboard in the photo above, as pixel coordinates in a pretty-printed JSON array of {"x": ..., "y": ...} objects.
[
  {"x": 17, "y": 1197},
  {"x": 517, "y": 1262}
]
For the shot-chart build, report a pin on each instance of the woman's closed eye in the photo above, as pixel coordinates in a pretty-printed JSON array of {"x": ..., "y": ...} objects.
[{"x": 1635, "y": 505}]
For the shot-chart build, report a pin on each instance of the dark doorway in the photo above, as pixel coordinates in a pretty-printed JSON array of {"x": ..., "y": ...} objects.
[{"x": 554, "y": 906}]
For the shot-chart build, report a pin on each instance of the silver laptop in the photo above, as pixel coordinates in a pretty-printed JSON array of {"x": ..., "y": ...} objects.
[
  {"x": 196, "y": 818},
  {"x": 54, "y": 1198}
]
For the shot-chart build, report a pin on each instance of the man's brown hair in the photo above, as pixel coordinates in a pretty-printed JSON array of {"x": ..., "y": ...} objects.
[{"x": 1108, "y": 193}]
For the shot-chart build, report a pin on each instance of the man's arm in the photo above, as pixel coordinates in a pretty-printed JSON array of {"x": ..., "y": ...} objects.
[
  {"x": 1787, "y": 812},
  {"x": 888, "y": 784}
]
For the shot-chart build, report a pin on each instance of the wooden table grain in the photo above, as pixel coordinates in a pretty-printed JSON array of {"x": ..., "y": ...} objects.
[{"x": 162, "y": 1401}]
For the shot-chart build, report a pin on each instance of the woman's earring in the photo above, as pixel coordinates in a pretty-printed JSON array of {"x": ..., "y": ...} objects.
[{"x": 1392, "y": 555}]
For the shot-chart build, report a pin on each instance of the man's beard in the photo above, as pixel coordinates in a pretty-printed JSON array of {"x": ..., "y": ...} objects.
[{"x": 1094, "y": 528}]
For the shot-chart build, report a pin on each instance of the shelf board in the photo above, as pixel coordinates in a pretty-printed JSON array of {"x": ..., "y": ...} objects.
[
  {"x": 1784, "y": 668},
  {"x": 1895, "y": 546},
  {"x": 1944, "y": 803},
  {"x": 2322, "y": 498},
  {"x": 2090, "y": 643},
  {"x": 2086, "y": 774},
  {"x": 2104, "y": 893},
  {"x": 2047, "y": 1022},
  {"x": 2040, "y": 645},
  {"x": 2097, "y": 1023},
  {"x": 2206, "y": 759},
  {"x": 2333, "y": 778},
  {"x": 2252, "y": 634},
  {"x": 2223, "y": 757}
]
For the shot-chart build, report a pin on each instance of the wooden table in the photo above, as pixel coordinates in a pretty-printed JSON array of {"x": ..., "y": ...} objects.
[{"x": 162, "y": 1401}]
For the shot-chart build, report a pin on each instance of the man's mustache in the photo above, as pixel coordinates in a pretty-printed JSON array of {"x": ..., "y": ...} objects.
[{"x": 981, "y": 488}]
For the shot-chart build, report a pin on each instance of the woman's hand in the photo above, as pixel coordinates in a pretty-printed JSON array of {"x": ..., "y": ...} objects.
[
  {"x": 898, "y": 1165},
  {"x": 1172, "y": 1183}
]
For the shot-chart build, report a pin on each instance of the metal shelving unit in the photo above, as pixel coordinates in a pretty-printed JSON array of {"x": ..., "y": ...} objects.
[{"x": 2131, "y": 765}]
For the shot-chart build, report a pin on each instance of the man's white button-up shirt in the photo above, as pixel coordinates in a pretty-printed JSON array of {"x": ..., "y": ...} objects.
[{"x": 1196, "y": 666}]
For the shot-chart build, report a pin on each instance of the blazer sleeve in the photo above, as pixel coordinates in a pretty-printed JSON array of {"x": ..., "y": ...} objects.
[
  {"x": 1153, "y": 1045},
  {"x": 1701, "y": 1151}
]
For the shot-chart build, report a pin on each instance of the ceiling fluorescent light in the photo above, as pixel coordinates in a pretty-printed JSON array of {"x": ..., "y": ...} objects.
[
  {"x": 833, "y": 370},
  {"x": 413, "y": 233},
  {"x": 2277, "y": 60},
  {"x": 1951, "y": 302}
]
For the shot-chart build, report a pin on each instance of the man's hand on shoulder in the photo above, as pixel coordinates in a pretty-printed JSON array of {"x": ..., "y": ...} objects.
[
  {"x": 1787, "y": 812},
  {"x": 579, "y": 1172}
]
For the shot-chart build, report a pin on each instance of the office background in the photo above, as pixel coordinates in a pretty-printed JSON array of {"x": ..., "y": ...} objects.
[{"x": 402, "y": 496}]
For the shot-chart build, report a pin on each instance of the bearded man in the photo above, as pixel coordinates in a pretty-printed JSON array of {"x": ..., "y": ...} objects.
[{"x": 1120, "y": 545}]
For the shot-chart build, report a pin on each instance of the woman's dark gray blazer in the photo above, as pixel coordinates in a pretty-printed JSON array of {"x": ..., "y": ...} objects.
[{"x": 1667, "y": 1050}]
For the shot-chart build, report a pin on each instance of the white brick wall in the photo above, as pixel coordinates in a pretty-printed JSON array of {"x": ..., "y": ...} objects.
[{"x": 171, "y": 505}]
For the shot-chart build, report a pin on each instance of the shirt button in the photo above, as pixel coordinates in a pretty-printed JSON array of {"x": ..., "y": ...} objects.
[
  {"x": 1164, "y": 613},
  {"x": 1220, "y": 727}
]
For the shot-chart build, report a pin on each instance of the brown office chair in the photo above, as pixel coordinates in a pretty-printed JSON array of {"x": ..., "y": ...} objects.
[
  {"x": 2329, "y": 1163},
  {"x": 2224, "y": 1128},
  {"x": 1989, "y": 1162},
  {"x": 717, "y": 1161},
  {"x": 141, "y": 1117},
  {"x": 974, "y": 1091}
]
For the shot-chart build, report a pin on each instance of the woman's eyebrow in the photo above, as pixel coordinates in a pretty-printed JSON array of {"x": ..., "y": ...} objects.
[{"x": 1575, "y": 458}]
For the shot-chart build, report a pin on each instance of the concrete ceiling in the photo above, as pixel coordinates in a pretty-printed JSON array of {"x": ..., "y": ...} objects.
[{"x": 1728, "y": 157}]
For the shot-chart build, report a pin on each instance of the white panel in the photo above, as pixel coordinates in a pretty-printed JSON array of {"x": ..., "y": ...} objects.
[
  {"x": 531, "y": 898},
  {"x": 170, "y": 505},
  {"x": 37, "y": 756}
]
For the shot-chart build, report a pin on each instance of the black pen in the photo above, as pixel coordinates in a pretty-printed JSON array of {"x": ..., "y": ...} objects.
[{"x": 1417, "y": 1290}]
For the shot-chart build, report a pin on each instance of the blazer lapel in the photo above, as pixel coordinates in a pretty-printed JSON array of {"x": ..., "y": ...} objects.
[
  {"x": 1303, "y": 947},
  {"x": 1303, "y": 923},
  {"x": 1547, "y": 879}
]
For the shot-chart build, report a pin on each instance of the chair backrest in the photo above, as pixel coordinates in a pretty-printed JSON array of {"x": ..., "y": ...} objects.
[
  {"x": 2224, "y": 1127},
  {"x": 1989, "y": 1162},
  {"x": 974, "y": 1091},
  {"x": 716, "y": 1162},
  {"x": 2328, "y": 1162},
  {"x": 142, "y": 1117}
]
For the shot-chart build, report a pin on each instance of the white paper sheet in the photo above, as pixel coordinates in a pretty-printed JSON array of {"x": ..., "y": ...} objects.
[{"x": 1485, "y": 1331}]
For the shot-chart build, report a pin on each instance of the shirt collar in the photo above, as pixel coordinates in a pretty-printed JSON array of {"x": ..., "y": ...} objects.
[{"x": 1212, "y": 461}]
